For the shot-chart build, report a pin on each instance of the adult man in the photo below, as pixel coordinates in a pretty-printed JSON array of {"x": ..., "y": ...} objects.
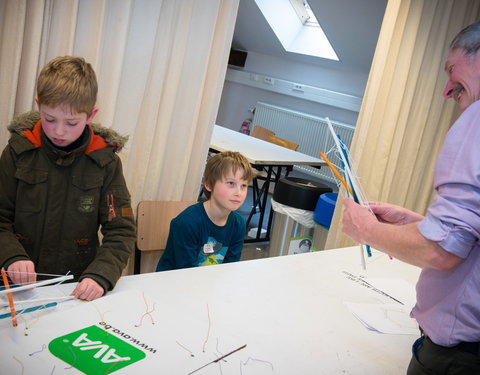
[{"x": 446, "y": 242}]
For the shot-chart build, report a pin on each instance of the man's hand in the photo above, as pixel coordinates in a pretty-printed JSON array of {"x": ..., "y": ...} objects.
[
  {"x": 355, "y": 220},
  {"x": 88, "y": 289},
  {"x": 392, "y": 214},
  {"x": 22, "y": 272}
]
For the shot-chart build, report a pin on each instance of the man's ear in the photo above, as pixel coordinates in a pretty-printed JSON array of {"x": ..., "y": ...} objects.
[{"x": 92, "y": 115}]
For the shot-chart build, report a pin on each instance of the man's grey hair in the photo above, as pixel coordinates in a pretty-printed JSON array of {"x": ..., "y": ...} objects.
[{"x": 468, "y": 39}]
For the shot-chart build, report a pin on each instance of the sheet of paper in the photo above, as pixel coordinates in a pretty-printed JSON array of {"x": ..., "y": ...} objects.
[
  {"x": 392, "y": 316},
  {"x": 384, "y": 318},
  {"x": 398, "y": 288}
]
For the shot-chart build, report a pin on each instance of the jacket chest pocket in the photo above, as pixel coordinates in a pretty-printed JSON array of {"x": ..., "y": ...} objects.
[
  {"x": 86, "y": 192},
  {"x": 31, "y": 190}
]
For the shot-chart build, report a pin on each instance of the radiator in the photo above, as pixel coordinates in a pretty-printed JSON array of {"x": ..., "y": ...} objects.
[{"x": 310, "y": 132}]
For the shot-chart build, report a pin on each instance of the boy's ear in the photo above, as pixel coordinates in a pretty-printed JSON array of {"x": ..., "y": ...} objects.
[
  {"x": 92, "y": 115},
  {"x": 207, "y": 188}
]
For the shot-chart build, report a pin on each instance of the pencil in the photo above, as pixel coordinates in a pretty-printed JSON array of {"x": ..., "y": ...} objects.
[
  {"x": 233, "y": 351},
  {"x": 334, "y": 170},
  {"x": 219, "y": 359},
  {"x": 10, "y": 298}
]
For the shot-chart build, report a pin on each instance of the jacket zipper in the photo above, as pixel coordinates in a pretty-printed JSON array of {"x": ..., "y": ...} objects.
[{"x": 111, "y": 207}]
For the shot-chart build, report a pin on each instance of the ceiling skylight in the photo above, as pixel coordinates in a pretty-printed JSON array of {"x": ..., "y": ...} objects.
[{"x": 292, "y": 21}]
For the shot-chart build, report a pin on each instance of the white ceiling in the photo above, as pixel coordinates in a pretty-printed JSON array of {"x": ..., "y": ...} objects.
[{"x": 352, "y": 26}]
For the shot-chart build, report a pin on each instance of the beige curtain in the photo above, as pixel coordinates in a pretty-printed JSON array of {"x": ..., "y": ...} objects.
[
  {"x": 160, "y": 66},
  {"x": 403, "y": 118}
]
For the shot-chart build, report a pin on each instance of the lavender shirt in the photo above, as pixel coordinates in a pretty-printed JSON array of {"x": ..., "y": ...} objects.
[{"x": 448, "y": 302}]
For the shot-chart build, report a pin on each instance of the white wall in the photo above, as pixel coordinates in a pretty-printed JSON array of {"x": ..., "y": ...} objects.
[{"x": 237, "y": 99}]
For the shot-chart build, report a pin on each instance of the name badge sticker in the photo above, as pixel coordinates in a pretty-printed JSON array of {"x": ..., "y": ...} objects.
[{"x": 208, "y": 248}]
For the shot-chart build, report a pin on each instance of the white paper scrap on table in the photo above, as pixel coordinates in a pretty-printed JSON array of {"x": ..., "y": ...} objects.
[
  {"x": 400, "y": 289},
  {"x": 384, "y": 318},
  {"x": 391, "y": 318}
]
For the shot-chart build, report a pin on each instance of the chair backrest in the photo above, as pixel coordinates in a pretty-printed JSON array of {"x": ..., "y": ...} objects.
[
  {"x": 153, "y": 222},
  {"x": 261, "y": 132},
  {"x": 283, "y": 142}
]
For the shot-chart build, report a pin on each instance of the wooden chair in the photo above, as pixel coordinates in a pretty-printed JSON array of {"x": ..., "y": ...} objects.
[
  {"x": 283, "y": 142},
  {"x": 269, "y": 136},
  {"x": 261, "y": 133},
  {"x": 153, "y": 226}
]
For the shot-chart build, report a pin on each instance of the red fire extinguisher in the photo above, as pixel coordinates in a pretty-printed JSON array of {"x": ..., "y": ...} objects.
[{"x": 245, "y": 128}]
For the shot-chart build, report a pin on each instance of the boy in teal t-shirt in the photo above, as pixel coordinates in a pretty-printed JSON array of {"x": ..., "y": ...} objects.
[{"x": 211, "y": 232}]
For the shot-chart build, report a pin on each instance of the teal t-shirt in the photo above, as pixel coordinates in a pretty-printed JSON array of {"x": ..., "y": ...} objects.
[{"x": 194, "y": 240}]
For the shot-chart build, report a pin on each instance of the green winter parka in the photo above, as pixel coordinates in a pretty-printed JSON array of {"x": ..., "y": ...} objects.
[{"x": 52, "y": 204}]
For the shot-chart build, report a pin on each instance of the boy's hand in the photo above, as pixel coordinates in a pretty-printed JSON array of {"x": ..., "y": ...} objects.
[
  {"x": 88, "y": 289},
  {"x": 22, "y": 272}
]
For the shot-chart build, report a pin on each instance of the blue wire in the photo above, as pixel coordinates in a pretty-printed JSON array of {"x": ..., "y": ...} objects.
[
  {"x": 355, "y": 197},
  {"x": 30, "y": 309}
]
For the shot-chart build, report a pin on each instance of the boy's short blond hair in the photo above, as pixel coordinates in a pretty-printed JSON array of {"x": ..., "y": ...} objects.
[
  {"x": 68, "y": 80},
  {"x": 221, "y": 164}
]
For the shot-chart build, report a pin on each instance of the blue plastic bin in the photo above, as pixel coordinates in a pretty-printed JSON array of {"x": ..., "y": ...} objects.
[{"x": 324, "y": 210}]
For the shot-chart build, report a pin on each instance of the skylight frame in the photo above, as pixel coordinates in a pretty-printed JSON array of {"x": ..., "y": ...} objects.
[
  {"x": 312, "y": 20},
  {"x": 292, "y": 33},
  {"x": 300, "y": 10},
  {"x": 304, "y": 13}
]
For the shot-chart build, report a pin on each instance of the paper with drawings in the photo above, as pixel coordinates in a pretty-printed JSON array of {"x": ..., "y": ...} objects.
[{"x": 392, "y": 318}]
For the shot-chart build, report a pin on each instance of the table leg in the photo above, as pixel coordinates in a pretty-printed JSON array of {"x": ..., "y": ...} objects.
[{"x": 262, "y": 196}]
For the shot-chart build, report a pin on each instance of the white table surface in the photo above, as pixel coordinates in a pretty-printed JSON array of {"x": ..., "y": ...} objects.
[
  {"x": 290, "y": 312},
  {"x": 258, "y": 151}
]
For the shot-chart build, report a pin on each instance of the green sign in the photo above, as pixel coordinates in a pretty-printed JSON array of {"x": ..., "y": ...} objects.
[{"x": 93, "y": 350}]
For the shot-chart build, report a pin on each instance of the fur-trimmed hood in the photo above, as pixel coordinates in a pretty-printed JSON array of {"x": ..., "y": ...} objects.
[{"x": 27, "y": 121}]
